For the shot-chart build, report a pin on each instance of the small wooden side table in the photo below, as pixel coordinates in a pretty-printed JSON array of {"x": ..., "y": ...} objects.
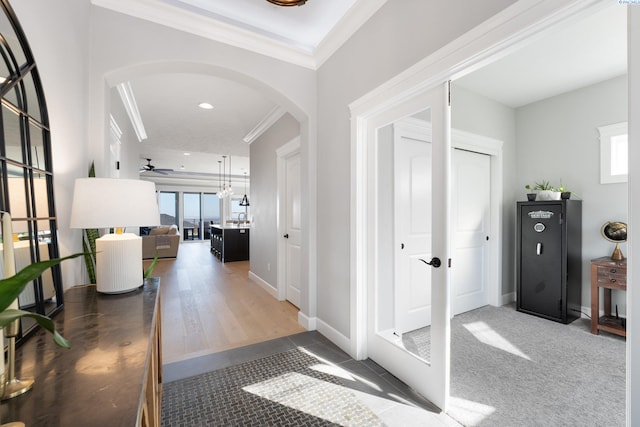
[{"x": 607, "y": 274}]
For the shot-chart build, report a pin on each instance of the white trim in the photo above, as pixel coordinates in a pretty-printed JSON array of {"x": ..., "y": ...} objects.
[
  {"x": 333, "y": 335},
  {"x": 204, "y": 26},
  {"x": 355, "y": 17},
  {"x": 502, "y": 34},
  {"x": 264, "y": 124},
  {"x": 282, "y": 153},
  {"x": 129, "y": 101},
  {"x": 633, "y": 260},
  {"x": 271, "y": 290},
  {"x": 207, "y": 27},
  {"x": 309, "y": 323},
  {"x": 116, "y": 132}
]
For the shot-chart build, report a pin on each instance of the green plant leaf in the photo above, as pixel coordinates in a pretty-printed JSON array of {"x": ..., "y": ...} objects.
[
  {"x": 11, "y": 287},
  {"x": 147, "y": 273},
  {"x": 8, "y": 316},
  {"x": 89, "y": 237}
]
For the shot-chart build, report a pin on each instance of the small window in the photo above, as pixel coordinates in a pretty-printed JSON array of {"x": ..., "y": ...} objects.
[{"x": 614, "y": 163}]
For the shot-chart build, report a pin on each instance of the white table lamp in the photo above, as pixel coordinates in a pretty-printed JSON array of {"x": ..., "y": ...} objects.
[{"x": 117, "y": 203}]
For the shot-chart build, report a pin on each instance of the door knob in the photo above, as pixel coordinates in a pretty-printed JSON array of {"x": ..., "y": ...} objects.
[
  {"x": 435, "y": 262},
  {"x": 286, "y": 236}
]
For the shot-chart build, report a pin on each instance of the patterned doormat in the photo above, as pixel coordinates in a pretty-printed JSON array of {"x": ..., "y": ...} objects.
[{"x": 286, "y": 389}]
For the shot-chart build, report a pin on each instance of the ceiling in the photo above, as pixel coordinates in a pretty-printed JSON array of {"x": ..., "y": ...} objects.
[
  {"x": 168, "y": 102},
  {"x": 591, "y": 50},
  {"x": 299, "y": 26},
  {"x": 175, "y": 125}
]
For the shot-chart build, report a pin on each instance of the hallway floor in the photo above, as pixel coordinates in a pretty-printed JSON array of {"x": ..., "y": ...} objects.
[
  {"x": 209, "y": 306},
  {"x": 219, "y": 328},
  {"x": 299, "y": 380}
]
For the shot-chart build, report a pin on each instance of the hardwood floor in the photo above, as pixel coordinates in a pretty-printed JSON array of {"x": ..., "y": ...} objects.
[{"x": 208, "y": 306}]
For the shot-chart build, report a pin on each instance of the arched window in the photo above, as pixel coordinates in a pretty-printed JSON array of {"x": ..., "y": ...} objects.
[{"x": 26, "y": 174}]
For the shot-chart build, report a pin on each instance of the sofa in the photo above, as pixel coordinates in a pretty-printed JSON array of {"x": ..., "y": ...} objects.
[{"x": 163, "y": 241}]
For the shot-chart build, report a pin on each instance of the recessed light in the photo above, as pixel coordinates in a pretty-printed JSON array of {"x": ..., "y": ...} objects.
[
  {"x": 187, "y": 154},
  {"x": 205, "y": 106}
]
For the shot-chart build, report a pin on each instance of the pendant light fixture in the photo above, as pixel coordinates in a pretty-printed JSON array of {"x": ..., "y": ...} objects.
[
  {"x": 288, "y": 2},
  {"x": 229, "y": 190},
  {"x": 245, "y": 199},
  {"x": 220, "y": 195},
  {"x": 224, "y": 191}
]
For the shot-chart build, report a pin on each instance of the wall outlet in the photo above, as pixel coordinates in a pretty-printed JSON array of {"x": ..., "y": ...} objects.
[{"x": 268, "y": 266}]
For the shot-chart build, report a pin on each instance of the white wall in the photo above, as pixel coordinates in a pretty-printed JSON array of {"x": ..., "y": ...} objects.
[
  {"x": 633, "y": 313},
  {"x": 125, "y": 47},
  {"x": 263, "y": 198},
  {"x": 482, "y": 116},
  {"x": 557, "y": 139},
  {"x": 400, "y": 34},
  {"x": 58, "y": 39}
]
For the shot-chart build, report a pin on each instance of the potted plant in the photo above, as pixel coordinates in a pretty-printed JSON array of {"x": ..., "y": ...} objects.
[
  {"x": 546, "y": 191},
  {"x": 531, "y": 194},
  {"x": 564, "y": 193}
]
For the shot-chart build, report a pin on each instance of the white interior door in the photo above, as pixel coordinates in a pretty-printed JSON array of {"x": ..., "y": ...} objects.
[
  {"x": 412, "y": 224},
  {"x": 429, "y": 377},
  {"x": 292, "y": 229},
  {"x": 471, "y": 220}
]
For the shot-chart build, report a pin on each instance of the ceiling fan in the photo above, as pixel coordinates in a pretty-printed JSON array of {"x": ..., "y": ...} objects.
[{"x": 151, "y": 168}]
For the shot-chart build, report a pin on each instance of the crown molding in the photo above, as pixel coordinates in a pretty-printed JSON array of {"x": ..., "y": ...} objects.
[
  {"x": 213, "y": 29},
  {"x": 264, "y": 124},
  {"x": 351, "y": 22},
  {"x": 129, "y": 101},
  {"x": 194, "y": 23}
]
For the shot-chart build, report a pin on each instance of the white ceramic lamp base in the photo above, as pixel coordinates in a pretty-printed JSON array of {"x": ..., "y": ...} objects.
[{"x": 118, "y": 263}]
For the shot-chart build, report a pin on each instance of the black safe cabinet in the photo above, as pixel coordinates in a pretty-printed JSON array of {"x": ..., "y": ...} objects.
[{"x": 549, "y": 259}]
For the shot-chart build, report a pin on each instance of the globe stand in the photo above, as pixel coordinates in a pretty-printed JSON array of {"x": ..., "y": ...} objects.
[{"x": 617, "y": 253}]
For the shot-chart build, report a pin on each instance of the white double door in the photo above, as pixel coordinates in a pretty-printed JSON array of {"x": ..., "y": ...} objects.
[
  {"x": 413, "y": 241},
  {"x": 470, "y": 221},
  {"x": 427, "y": 175}
]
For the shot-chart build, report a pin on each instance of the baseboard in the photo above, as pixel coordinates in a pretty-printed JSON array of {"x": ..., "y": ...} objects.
[
  {"x": 263, "y": 284},
  {"x": 309, "y": 323},
  {"x": 334, "y": 336},
  {"x": 586, "y": 310},
  {"x": 508, "y": 298}
]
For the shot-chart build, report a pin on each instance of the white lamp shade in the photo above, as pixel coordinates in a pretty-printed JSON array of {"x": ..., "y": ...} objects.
[{"x": 111, "y": 202}]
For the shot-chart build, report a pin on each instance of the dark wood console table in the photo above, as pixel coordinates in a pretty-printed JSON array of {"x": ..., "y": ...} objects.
[
  {"x": 112, "y": 374},
  {"x": 607, "y": 274}
]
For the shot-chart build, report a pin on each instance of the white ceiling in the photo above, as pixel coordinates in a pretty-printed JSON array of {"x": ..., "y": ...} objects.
[
  {"x": 174, "y": 124},
  {"x": 591, "y": 50},
  {"x": 168, "y": 105},
  {"x": 300, "y": 26}
]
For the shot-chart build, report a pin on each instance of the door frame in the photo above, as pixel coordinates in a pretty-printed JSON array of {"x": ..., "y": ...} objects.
[
  {"x": 504, "y": 33},
  {"x": 492, "y": 147},
  {"x": 287, "y": 150}
]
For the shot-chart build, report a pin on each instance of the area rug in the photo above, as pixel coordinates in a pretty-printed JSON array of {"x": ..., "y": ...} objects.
[{"x": 285, "y": 389}]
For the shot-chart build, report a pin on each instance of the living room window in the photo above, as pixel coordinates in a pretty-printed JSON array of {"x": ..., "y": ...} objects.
[
  {"x": 168, "y": 205},
  {"x": 26, "y": 173}
]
